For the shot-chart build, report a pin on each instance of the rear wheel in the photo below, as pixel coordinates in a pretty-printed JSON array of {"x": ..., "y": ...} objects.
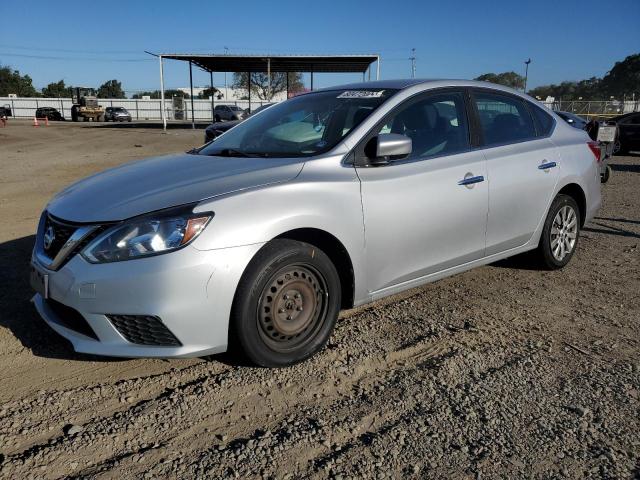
[
  {"x": 560, "y": 233},
  {"x": 286, "y": 304}
]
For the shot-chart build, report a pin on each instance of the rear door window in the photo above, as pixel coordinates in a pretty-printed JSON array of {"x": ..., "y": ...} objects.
[{"x": 503, "y": 119}]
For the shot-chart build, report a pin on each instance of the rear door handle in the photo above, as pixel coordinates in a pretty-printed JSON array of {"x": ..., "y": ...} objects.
[
  {"x": 547, "y": 165},
  {"x": 469, "y": 180}
]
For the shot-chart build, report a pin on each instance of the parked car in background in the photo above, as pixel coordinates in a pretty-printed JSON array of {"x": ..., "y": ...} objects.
[
  {"x": 257, "y": 240},
  {"x": 5, "y": 111},
  {"x": 573, "y": 119},
  {"x": 49, "y": 113},
  {"x": 218, "y": 128},
  {"x": 228, "y": 112},
  {"x": 117, "y": 114},
  {"x": 628, "y": 132}
]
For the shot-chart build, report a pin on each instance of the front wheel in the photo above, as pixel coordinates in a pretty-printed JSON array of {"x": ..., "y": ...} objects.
[
  {"x": 560, "y": 233},
  {"x": 286, "y": 304}
]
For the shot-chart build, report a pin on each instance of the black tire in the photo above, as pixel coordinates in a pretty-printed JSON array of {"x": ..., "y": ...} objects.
[
  {"x": 286, "y": 304},
  {"x": 604, "y": 177},
  {"x": 619, "y": 149},
  {"x": 74, "y": 115},
  {"x": 545, "y": 252},
  {"x": 217, "y": 118}
]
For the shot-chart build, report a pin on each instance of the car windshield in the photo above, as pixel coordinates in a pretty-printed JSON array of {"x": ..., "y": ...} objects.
[{"x": 301, "y": 127}]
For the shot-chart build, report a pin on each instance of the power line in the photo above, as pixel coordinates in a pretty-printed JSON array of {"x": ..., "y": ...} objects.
[
  {"x": 76, "y": 59},
  {"x": 66, "y": 50}
]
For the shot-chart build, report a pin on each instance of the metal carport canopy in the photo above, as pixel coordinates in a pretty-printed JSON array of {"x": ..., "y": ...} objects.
[
  {"x": 279, "y": 63},
  {"x": 266, "y": 63}
]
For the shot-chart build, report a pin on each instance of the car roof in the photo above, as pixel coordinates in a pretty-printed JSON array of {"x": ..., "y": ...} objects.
[{"x": 401, "y": 84}]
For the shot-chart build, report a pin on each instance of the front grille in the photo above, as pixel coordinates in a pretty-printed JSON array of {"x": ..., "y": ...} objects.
[
  {"x": 144, "y": 330},
  {"x": 59, "y": 232},
  {"x": 71, "y": 318},
  {"x": 54, "y": 233}
]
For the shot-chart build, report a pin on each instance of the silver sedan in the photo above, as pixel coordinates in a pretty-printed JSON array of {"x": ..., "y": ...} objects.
[{"x": 327, "y": 201}]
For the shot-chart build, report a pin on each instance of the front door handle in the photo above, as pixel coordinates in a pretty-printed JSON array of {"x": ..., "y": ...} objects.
[
  {"x": 547, "y": 165},
  {"x": 469, "y": 179}
]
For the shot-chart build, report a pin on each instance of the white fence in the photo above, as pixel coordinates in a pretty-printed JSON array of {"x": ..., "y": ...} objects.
[
  {"x": 139, "y": 109},
  {"x": 180, "y": 109}
]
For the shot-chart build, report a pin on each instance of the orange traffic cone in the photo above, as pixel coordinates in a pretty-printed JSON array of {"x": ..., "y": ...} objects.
[
  {"x": 46, "y": 121},
  {"x": 35, "y": 122}
]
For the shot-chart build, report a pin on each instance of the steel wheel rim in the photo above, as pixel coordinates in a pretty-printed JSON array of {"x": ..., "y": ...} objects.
[
  {"x": 564, "y": 232},
  {"x": 292, "y": 307}
]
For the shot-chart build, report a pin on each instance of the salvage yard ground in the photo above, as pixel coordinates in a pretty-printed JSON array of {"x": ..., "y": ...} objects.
[{"x": 504, "y": 371}]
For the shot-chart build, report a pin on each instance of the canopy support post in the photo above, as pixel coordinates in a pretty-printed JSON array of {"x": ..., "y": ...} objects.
[
  {"x": 213, "y": 95},
  {"x": 312, "y": 78},
  {"x": 269, "y": 78},
  {"x": 287, "y": 74},
  {"x": 162, "y": 109},
  {"x": 249, "y": 89},
  {"x": 378, "y": 68},
  {"x": 193, "y": 118}
]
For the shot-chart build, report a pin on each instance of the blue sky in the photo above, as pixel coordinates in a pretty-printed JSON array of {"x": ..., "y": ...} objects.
[{"x": 566, "y": 39}]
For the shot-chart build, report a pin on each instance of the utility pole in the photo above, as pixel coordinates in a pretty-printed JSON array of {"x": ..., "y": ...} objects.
[
  {"x": 413, "y": 62},
  {"x": 526, "y": 74}
]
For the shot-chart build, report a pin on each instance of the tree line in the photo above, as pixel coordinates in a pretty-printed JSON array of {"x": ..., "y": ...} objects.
[
  {"x": 11, "y": 81},
  {"x": 622, "y": 80}
]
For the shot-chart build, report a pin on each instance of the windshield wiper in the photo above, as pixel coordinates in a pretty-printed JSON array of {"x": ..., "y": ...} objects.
[{"x": 232, "y": 152}]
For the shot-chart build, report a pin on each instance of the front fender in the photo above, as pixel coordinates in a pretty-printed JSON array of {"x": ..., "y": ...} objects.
[{"x": 326, "y": 202}]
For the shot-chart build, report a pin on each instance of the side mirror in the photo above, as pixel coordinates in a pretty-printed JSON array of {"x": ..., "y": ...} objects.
[{"x": 387, "y": 147}]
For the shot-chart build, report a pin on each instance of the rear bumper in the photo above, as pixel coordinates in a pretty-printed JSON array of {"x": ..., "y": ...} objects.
[{"x": 190, "y": 291}]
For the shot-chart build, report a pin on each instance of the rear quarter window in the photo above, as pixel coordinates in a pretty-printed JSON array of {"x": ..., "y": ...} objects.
[{"x": 544, "y": 121}]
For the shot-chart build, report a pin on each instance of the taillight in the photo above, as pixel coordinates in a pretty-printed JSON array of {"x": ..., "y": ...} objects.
[{"x": 595, "y": 149}]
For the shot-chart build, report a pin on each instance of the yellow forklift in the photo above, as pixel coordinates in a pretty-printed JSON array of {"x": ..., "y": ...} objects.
[{"x": 85, "y": 105}]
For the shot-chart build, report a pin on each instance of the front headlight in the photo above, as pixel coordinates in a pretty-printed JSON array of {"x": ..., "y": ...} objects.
[{"x": 145, "y": 236}]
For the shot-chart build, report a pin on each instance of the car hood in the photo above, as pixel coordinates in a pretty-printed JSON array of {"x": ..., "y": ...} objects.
[
  {"x": 162, "y": 182},
  {"x": 223, "y": 125}
]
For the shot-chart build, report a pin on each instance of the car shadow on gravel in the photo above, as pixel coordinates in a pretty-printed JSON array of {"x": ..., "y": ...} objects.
[
  {"x": 621, "y": 167},
  {"x": 523, "y": 261},
  {"x": 19, "y": 316},
  {"x": 621, "y": 220},
  {"x": 149, "y": 125},
  {"x": 610, "y": 230}
]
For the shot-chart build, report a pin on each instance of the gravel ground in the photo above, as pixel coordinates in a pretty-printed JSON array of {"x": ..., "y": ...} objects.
[{"x": 502, "y": 372}]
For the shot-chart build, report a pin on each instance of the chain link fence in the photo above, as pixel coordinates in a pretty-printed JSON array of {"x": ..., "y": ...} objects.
[{"x": 587, "y": 109}]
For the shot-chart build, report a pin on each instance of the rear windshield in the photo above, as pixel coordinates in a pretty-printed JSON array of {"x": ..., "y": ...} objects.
[{"x": 301, "y": 127}]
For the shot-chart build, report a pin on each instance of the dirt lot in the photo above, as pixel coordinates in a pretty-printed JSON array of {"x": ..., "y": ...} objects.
[{"x": 504, "y": 371}]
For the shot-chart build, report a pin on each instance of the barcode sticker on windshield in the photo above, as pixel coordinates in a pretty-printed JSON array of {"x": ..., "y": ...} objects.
[{"x": 361, "y": 94}]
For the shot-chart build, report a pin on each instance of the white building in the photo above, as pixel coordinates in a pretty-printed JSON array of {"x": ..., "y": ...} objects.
[{"x": 230, "y": 94}]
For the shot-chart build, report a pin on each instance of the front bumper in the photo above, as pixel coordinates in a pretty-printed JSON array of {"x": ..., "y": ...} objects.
[{"x": 190, "y": 291}]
